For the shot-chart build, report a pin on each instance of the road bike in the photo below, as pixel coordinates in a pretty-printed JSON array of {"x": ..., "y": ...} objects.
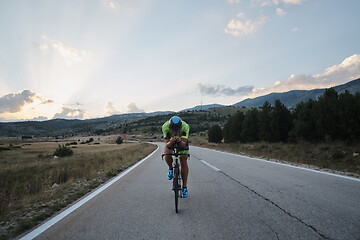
[{"x": 176, "y": 174}]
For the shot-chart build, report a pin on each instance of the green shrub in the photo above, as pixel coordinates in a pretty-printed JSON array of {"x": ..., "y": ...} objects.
[
  {"x": 63, "y": 151},
  {"x": 119, "y": 140},
  {"x": 337, "y": 154},
  {"x": 215, "y": 134},
  {"x": 71, "y": 143}
]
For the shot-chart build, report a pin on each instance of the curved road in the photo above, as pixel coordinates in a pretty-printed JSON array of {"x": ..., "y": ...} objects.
[{"x": 231, "y": 197}]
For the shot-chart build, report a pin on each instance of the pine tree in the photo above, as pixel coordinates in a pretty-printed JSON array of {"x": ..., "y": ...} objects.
[
  {"x": 348, "y": 114},
  {"x": 215, "y": 134},
  {"x": 264, "y": 122},
  {"x": 304, "y": 121},
  {"x": 235, "y": 127},
  {"x": 250, "y": 130},
  {"x": 280, "y": 122},
  {"x": 328, "y": 115}
]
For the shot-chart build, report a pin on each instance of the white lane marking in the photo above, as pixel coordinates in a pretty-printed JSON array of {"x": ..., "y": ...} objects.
[
  {"x": 36, "y": 232},
  {"x": 209, "y": 165},
  {"x": 288, "y": 165}
]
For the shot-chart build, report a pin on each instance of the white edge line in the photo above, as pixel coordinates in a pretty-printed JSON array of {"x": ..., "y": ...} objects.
[
  {"x": 287, "y": 165},
  {"x": 36, "y": 232},
  {"x": 209, "y": 165}
]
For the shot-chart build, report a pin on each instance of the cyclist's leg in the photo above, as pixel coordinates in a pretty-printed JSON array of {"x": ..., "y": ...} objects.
[
  {"x": 168, "y": 158},
  {"x": 184, "y": 169},
  {"x": 169, "y": 161}
]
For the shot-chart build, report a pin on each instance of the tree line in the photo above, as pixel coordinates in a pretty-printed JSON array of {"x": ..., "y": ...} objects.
[{"x": 331, "y": 117}]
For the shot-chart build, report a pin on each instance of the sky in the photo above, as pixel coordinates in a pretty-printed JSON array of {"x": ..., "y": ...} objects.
[{"x": 81, "y": 59}]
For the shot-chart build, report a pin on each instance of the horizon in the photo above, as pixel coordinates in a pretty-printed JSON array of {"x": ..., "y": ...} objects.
[
  {"x": 188, "y": 108},
  {"x": 75, "y": 60}
]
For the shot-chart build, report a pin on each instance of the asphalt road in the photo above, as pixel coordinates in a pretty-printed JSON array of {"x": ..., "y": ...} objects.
[{"x": 230, "y": 197}]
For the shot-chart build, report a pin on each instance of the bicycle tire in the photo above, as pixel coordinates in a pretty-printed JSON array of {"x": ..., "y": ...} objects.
[{"x": 176, "y": 188}]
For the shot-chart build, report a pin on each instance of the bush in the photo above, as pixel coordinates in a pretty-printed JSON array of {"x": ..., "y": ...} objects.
[
  {"x": 119, "y": 140},
  {"x": 87, "y": 141},
  {"x": 71, "y": 143},
  {"x": 215, "y": 134},
  {"x": 63, "y": 151}
]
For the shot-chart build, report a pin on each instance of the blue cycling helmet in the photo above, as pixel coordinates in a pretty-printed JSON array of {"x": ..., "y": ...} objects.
[{"x": 175, "y": 123}]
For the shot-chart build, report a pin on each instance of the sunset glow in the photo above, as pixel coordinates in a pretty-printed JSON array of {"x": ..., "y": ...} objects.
[{"x": 84, "y": 60}]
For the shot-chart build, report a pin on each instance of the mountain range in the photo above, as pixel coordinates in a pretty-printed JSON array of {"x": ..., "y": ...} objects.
[
  {"x": 62, "y": 126},
  {"x": 291, "y": 98}
]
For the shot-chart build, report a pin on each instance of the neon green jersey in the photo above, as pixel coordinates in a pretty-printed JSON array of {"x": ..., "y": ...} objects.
[{"x": 184, "y": 131}]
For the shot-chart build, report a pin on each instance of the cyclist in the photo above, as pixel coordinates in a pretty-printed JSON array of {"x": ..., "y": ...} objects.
[{"x": 176, "y": 130}]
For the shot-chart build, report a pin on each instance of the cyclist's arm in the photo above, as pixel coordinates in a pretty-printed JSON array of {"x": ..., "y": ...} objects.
[
  {"x": 183, "y": 142},
  {"x": 184, "y": 135},
  {"x": 170, "y": 142}
]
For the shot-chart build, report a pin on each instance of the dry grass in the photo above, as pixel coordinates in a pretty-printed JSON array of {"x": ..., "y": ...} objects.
[
  {"x": 34, "y": 184},
  {"x": 338, "y": 157}
]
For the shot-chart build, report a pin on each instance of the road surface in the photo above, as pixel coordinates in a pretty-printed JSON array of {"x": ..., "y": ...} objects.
[{"x": 230, "y": 197}]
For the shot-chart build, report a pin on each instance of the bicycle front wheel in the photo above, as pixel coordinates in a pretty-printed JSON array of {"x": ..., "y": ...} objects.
[{"x": 176, "y": 189}]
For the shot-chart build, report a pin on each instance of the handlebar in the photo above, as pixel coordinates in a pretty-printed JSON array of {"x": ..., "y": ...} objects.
[
  {"x": 172, "y": 154},
  {"x": 175, "y": 152}
]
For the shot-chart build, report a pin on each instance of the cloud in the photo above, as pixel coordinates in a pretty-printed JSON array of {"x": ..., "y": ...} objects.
[
  {"x": 109, "y": 4},
  {"x": 224, "y": 90},
  {"x": 70, "y": 113},
  {"x": 234, "y": 1},
  {"x": 264, "y": 3},
  {"x": 281, "y": 12},
  {"x": 70, "y": 55},
  {"x": 47, "y": 101},
  {"x": 295, "y": 29},
  {"x": 132, "y": 108},
  {"x": 297, "y": 2},
  {"x": 41, "y": 47},
  {"x": 14, "y": 102},
  {"x": 110, "y": 109},
  {"x": 242, "y": 26},
  {"x": 347, "y": 70}
]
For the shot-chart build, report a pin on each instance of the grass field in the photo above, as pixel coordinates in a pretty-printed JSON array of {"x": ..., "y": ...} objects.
[
  {"x": 34, "y": 185},
  {"x": 336, "y": 156}
]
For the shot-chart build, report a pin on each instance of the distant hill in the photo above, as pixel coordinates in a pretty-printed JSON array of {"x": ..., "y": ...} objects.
[
  {"x": 56, "y": 127},
  {"x": 291, "y": 98},
  {"x": 147, "y": 122},
  {"x": 127, "y": 116},
  {"x": 202, "y": 107}
]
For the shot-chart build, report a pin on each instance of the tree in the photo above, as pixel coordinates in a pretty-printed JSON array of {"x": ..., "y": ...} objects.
[
  {"x": 264, "y": 122},
  {"x": 328, "y": 115},
  {"x": 304, "y": 121},
  {"x": 356, "y": 131},
  {"x": 119, "y": 140},
  {"x": 250, "y": 130},
  {"x": 226, "y": 131},
  {"x": 349, "y": 120},
  {"x": 233, "y": 127},
  {"x": 215, "y": 134},
  {"x": 280, "y": 122},
  {"x": 63, "y": 151}
]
